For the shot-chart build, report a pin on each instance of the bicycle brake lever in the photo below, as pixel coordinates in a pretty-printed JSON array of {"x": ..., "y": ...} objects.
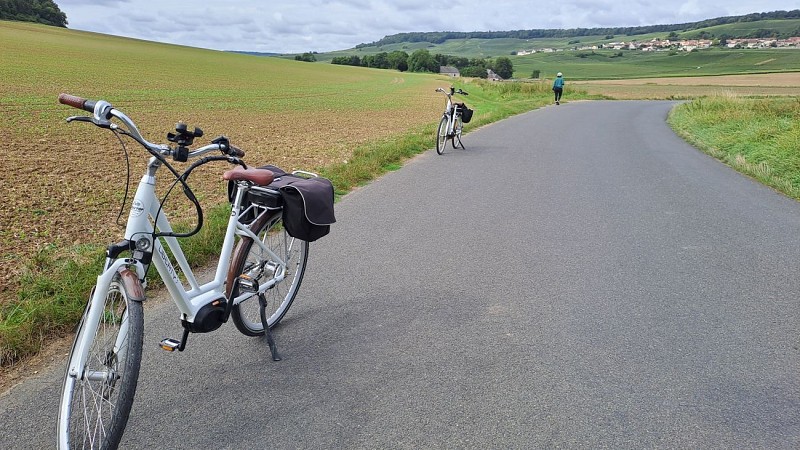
[
  {"x": 99, "y": 123},
  {"x": 236, "y": 161},
  {"x": 79, "y": 119}
]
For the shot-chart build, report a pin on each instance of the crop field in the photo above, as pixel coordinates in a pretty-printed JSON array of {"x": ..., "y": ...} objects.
[
  {"x": 770, "y": 84},
  {"x": 606, "y": 64},
  {"x": 743, "y": 28},
  {"x": 62, "y": 184}
]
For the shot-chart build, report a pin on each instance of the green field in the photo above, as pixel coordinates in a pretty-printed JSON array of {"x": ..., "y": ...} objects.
[
  {"x": 606, "y": 64},
  {"x": 744, "y": 28}
]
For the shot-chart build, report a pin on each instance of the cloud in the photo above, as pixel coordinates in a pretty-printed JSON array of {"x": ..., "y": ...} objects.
[{"x": 326, "y": 25}]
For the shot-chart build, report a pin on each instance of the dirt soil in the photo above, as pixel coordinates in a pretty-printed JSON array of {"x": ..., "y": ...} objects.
[
  {"x": 779, "y": 84},
  {"x": 66, "y": 186},
  {"x": 757, "y": 80}
]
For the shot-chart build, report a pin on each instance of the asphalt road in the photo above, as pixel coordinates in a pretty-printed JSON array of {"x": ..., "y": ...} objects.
[{"x": 578, "y": 277}]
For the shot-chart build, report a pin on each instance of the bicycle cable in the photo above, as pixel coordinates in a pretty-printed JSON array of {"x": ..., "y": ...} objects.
[
  {"x": 187, "y": 191},
  {"x": 127, "y": 179},
  {"x": 179, "y": 178},
  {"x": 183, "y": 179}
]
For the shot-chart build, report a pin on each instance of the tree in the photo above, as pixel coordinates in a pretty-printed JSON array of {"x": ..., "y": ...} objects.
[
  {"x": 422, "y": 61},
  {"x": 459, "y": 61},
  {"x": 307, "y": 57},
  {"x": 503, "y": 67},
  {"x": 351, "y": 60},
  {"x": 38, "y": 11},
  {"x": 381, "y": 60},
  {"x": 536, "y": 73},
  {"x": 474, "y": 71},
  {"x": 398, "y": 60}
]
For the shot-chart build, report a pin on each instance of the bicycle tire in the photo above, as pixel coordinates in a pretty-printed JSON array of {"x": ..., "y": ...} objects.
[
  {"x": 457, "y": 129},
  {"x": 441, "y": 135},
  {"x": 249, "y": 259},
  {"x": 94, "y": 411}
]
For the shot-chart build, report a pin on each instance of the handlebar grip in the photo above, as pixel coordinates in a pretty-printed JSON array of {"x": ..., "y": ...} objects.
[
  {"x": 237, "y": 152},
  {"x": 77, "y": 102}
]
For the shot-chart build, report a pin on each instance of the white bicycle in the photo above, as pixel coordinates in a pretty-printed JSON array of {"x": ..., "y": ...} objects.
[
  {"x": 453, "y": 119},
  {"x": 255, "y": 281}
]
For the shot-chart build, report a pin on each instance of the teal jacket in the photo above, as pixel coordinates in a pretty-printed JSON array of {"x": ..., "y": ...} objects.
[{"x": 558, "y": 83}]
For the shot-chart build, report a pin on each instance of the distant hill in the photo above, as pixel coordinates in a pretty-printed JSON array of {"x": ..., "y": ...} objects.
[
  {"x": 441, "y": 37},
  {"x": 38, "y": 11},
  {"x": 255, "y": 53}
]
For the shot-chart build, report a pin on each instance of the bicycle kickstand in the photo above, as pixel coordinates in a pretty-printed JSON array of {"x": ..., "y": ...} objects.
[{"x": 273, "y": 348}]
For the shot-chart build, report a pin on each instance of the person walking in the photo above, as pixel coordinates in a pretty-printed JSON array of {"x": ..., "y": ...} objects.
[{"x": 558, "y": 87}]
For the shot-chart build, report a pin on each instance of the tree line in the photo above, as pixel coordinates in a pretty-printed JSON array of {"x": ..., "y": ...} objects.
[
  {"x": 38, "y": 11},
  {"x": 422, "y": 61},
  {"x": 441, "y": 37}
]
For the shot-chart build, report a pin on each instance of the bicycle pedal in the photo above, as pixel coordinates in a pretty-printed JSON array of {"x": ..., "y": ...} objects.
[
  {"x": 170, "y": 345},
  {"x": 248, "y": 283}
]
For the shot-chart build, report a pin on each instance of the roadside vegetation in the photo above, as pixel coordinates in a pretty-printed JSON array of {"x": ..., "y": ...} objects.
[{"x": 759, "y": 137}]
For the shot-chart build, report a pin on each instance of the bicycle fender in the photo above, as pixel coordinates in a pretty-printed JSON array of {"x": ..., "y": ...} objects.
[{"x": 133, "y": 287}]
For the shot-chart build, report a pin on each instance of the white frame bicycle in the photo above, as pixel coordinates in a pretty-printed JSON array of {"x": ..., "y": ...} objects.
[
  {"x": 255, "y": 281},
  {"x": 451, "y": 124}
]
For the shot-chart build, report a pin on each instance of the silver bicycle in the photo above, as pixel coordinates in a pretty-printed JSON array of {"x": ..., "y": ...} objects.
[
  {"x": 452, "y": 123},
  {"x": 255, "y": 282}
]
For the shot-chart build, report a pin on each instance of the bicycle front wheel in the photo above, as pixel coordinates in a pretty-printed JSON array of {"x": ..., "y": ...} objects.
[
  {"x": 441, "y": 135},
  {"x": 96, "y": 403},
  {"x": 257, "y": 264}
]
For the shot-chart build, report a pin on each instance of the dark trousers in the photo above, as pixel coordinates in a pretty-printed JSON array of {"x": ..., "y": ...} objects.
[{"x": 557, "y": 91}]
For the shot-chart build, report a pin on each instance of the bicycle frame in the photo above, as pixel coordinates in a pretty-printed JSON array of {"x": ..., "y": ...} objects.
[
  {"x": 451, "y": 109},
  {"x": 139, "y": 229},
  {"x": 449, "y": 112},
  {"x": 451, "y": 125}
]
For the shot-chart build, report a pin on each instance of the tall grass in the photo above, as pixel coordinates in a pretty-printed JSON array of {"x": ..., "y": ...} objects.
[{"x": 757, "y": 136}]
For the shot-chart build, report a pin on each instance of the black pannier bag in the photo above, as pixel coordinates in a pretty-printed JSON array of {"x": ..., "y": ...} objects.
[
  {"x": 466, "y": 113},
  {"x": 307, "y": 204}
]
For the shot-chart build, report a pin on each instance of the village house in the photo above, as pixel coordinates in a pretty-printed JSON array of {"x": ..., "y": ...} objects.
[
  {"x": 683, "y": 45},
  {"x": 491, "y": 76},
  {"x": 449, "y": 71}
]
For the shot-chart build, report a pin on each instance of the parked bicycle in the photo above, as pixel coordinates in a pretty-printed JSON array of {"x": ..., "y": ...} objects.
[
  {"x": 453, "y": 119},
  {"x": 255, "y": 282}
]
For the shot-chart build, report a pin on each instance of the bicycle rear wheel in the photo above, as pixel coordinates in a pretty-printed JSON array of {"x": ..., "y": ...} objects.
[
  {"x": 457, "y": 128},
  {"x": 95, "y": 404},
  {"x": 251, "y": 260},
  {"x": 441, "y": 135}
]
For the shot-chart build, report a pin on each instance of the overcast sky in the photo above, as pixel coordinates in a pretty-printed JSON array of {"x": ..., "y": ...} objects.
[{"x": 295, "y": 26}]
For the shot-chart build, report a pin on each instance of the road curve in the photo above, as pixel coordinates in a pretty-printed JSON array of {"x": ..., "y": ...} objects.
[{"x": 577, "y": 277}]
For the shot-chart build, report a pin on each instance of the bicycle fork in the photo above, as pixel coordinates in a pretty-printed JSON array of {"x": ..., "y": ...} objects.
[{"x": 94, "y": 315}]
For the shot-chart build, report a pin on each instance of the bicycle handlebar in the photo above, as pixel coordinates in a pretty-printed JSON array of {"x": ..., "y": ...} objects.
[
  {"x": 452, "y": 91},
  {"x": 77, "y": 102},
  {"x": 103, "y": 112}
]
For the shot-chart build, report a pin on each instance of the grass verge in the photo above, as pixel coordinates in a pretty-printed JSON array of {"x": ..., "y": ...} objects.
[
  {"x": 759, "y": 137},
  {"x": 57, "y": 281}
]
